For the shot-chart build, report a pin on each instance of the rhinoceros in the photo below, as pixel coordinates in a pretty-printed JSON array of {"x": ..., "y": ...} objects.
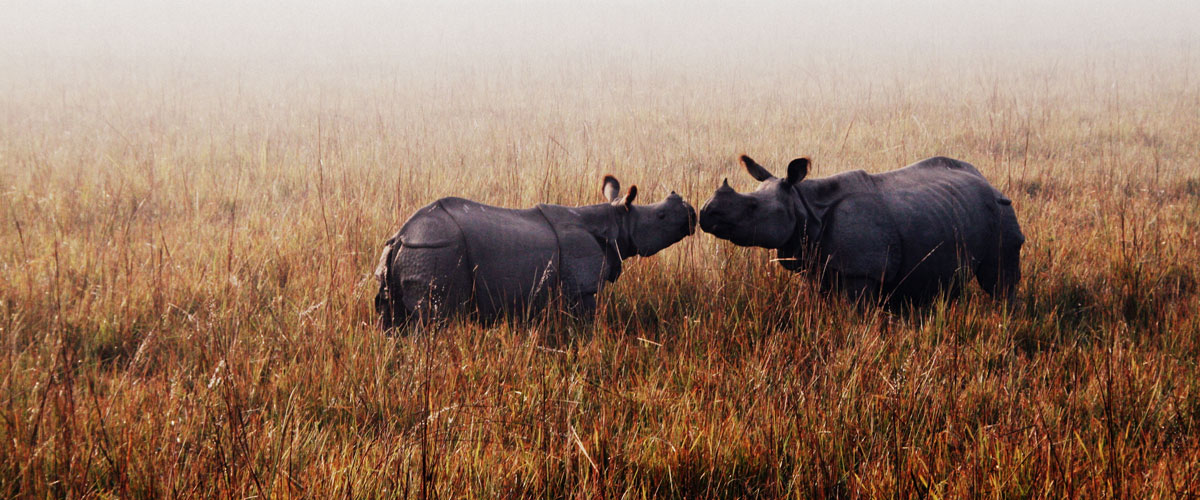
[
  {"x": 899, "y": 237},
  {"x": 458, "y": 256}
]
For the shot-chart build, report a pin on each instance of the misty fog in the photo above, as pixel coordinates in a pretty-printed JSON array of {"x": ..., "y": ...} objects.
[{"x": 704, "y": 36}]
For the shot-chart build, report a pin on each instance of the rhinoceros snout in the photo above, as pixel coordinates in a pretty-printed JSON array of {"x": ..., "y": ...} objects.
[{"x": 708, "y": 221}]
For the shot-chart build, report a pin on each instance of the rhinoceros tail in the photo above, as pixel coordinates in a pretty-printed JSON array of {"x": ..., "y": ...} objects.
[{"x": 389, "y": 304}]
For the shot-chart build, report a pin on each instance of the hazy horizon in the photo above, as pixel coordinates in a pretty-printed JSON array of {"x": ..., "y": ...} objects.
[{"x": 462, "y": 34}]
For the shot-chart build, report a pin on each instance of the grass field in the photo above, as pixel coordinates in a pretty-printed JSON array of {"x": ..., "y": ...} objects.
[{"x": 185, "y": 287}]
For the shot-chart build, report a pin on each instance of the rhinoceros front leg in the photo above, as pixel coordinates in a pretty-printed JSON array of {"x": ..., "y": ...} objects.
[
  {"x": 583, "y": 308},
  {"x": 862, "y": 291}
]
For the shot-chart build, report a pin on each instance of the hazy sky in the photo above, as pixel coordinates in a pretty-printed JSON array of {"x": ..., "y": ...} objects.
[{"x": 250, "y": 31}]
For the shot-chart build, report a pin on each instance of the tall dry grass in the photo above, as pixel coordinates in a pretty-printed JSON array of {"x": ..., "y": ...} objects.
[{"x": 185, "y": 285}]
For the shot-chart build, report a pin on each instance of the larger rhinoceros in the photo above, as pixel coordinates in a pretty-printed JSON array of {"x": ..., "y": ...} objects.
[
  {"x": 456, "y": 255},
  {"x": 900, "y": 237}
]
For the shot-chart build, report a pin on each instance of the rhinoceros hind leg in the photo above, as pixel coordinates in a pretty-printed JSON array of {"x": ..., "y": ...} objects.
[
  {"x": 393, "y": 316},
  {"x": 1000, "y": 277},
  {"x": 1000, "y": 274},
  {"x": 435, "y": 282}
]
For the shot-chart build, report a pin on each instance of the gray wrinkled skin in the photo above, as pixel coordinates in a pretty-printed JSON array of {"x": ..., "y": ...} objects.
[
  {"x": 900, "y": 237},
  {"x": 457, "y": 256}
]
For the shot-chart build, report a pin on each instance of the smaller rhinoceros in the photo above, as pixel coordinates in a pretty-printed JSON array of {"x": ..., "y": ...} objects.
[
  {"x": 901, "y": 236},
  {"x": 459, "y": 256}
]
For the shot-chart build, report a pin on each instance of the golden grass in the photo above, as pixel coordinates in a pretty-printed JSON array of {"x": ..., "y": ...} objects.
[{"x": 185, "y": 289}]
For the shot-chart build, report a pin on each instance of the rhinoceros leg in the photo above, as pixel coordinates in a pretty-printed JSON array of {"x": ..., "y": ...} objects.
[
  {"x": 430, "y": 273},
  {"x": 583, "y": 308},
  {"x": 432, "y": 277},
  {"x": 999, "y": 274},
  {"x": 586, "y": 264},
  {"x": 863, "y": 250},
  {"x": 391, "y": 310},
  {"x": 435, "y": 282},
  {"x": 862, "y": 291}
]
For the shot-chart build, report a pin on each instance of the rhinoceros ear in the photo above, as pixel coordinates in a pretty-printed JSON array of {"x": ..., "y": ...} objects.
[
  {"x": 627, "y": 201},
  {"x": 756, "y": 171},
  {"x": 611, "y": 188},
  {"x": 797, "y": 170}
]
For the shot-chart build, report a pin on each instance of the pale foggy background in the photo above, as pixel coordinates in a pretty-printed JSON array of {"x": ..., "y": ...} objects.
[{"x": 699, "y": 36}]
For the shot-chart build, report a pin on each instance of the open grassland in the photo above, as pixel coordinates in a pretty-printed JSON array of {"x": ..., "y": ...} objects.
[{"x": 185, "y": 286}]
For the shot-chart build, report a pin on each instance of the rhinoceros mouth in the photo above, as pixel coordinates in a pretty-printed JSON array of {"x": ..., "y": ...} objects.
[
  {"x": 720, "y": 230},
  {"x": 713, "y": 224}
]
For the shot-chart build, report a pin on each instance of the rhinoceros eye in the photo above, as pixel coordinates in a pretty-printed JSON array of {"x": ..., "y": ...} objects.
[{"x": 662, "y": 215}]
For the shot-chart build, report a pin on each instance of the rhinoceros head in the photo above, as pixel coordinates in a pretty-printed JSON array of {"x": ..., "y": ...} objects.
[
  {"x": 653, "y": 227},
  {"x": 765, "y": 217}
]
